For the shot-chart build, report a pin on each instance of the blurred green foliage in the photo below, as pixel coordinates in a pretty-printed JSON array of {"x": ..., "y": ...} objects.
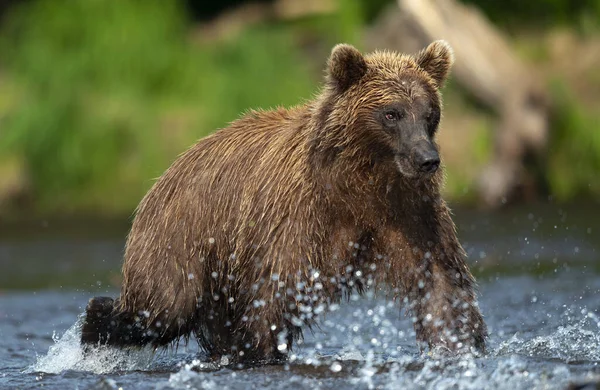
[
  {"x": 97, "y": 97},
  {"x": 541, "y": 13},
  {"x": 574, "y": 150},
  {"x": 104, "y": 96},
  {"x": 528, "y": 13}
]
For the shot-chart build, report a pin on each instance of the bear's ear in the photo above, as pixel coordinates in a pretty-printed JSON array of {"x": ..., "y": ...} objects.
[
  {"x": 345, "y": 66},
  {"x": 436, "y": 59}
]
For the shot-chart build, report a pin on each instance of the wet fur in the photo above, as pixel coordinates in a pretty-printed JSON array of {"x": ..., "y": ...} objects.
[{"x": 254, "y": 229}]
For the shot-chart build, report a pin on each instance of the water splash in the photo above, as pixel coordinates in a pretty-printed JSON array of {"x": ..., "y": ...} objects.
[
  {"x": 578, "y": 342},
  {"x": 407, "y": 372},
  {"x": 345, "y": 360},
  {"x": 509, "y": 373},
  {"x": 189, "y": 376},
  {"x": 68, "y": 354}
]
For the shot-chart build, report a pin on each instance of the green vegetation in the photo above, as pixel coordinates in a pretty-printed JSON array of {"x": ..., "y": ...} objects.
[
  {"x": 574, "y": 152},
  {"x": 540, "y": 13},
  {"x": 98, "y": 97}
]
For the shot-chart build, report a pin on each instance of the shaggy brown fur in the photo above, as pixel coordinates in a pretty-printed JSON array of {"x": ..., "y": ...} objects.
[{"x": 256, "y": 228}]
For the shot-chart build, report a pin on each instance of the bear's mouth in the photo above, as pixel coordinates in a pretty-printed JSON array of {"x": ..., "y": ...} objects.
[
  {"x": 409, "y": 169},
  {"x": 405, "y": 166}
]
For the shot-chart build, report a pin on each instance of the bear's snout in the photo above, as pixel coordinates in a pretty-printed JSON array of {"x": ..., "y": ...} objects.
[{"x": 427, "y": 160}]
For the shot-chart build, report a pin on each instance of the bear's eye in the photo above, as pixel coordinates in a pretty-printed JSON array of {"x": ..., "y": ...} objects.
[
  {"x": 432, "y": 115},
  {"x": 392, "y": 116},
  {"x": 433, "y": 118}
]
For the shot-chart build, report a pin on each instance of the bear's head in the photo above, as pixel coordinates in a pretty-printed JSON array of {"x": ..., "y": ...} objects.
[{"x": 389, "y": 103}]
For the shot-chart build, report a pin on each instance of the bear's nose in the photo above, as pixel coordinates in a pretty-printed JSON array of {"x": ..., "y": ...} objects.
[{"x": 428, "y": 161}]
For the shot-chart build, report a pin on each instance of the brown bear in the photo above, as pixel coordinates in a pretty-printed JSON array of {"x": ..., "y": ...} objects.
[{"x": 253, "y": 231}]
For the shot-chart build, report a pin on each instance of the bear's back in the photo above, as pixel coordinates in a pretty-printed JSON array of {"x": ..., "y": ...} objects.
[{"x": 201, "y": 199}]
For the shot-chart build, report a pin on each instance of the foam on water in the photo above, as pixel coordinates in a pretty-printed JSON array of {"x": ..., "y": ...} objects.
[{"x": 68, "y": 354}]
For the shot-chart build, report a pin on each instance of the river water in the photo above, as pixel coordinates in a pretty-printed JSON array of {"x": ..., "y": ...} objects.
[{"x": 538, "y": 269}]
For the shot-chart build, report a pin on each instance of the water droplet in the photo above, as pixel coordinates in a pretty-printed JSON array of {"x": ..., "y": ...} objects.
[{"x": 335, "y": 367}]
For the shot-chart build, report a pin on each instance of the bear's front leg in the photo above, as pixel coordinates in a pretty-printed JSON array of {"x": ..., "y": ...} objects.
[
  {"x": 442, "y": 298},
  {"x": 434, "y": 281}
]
